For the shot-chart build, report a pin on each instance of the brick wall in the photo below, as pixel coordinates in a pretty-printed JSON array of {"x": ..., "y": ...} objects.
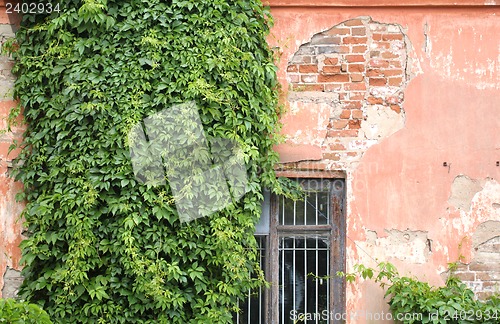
[
  {"x": 360, "y": 68},
  {"x": 482, "y": 273},
  {"x": 355, "y": 74}
]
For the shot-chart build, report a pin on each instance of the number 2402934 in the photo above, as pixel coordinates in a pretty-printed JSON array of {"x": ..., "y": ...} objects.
[{"x": 32, "y": 8}]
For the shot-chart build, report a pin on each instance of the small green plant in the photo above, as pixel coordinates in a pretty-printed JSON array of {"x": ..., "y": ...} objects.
[
  {"x": 19, "y": 312},
  {"x": 452, "y": 303}
]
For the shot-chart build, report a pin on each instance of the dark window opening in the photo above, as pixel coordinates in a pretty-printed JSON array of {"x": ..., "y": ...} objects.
[{"x": 302, "y": 247}]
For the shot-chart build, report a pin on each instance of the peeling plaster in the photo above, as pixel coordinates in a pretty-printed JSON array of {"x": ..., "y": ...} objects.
[
  {"x": 455, "y": 62},
  {"x": 463, "y": 190},
  {"x": 381, "y": 122},
  {"x": 12, "y": 281},
  {"x": 409, "y": 246},
  {"x": 486, "y": 243}
]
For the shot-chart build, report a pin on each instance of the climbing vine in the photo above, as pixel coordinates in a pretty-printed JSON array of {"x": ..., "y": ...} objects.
[{"x": 103, "y": 247}]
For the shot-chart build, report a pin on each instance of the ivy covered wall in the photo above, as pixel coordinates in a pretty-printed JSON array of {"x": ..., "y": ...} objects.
[{"x": 102, "y": 246}]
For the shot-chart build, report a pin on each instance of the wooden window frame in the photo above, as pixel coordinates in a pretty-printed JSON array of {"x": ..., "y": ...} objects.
[{"x": 336, "y": 232}]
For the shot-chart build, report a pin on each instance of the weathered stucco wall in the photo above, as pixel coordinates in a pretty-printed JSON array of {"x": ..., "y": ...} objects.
[
  {"x": 10, "y": 210},
  {"x": 389, "y": 95},
  {"x": 405, "y": 100}
]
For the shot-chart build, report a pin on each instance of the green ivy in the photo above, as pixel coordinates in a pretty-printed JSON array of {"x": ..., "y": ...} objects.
[
  {"x": 102, "y": 247},
  {"x": 415, "y": 301},
  {"x": 19, "y": 312}
]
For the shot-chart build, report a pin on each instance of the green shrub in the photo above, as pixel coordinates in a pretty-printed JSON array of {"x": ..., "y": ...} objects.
[
  {"x": 102, "y": 246},
  {"x": 414, "y": 301},
  {"x": 17, "y": 312}
]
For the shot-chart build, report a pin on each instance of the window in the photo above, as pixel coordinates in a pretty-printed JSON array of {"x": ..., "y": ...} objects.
[{"x": 302, "y": 246}]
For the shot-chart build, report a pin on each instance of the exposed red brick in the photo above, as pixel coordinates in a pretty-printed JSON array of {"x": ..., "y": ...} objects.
[
  {"x": 307, "y": 87},
  {"x": 342, "y": 49},
  {"x": 396, "y": 82},
  {"x": 491, "y": 284},
  {"x": 461, "y": 267},
  {"x": 378, "y": 63},
  {"x": 328, "y": 40},
  {"x": 338, "y": 31},
  {"x": 333, "y": 78},
  {"x": 304, "y": 59},
  {"x": 395, "y": 64},
  {"x": 345, "y": 114},
  {"x": 309, "y": 68},
  {"x": 389, "y": 55},
  {"x": 355, "y": 86},
  {"x": 374, "y": 73},
  {"x": 354, "y": 124},
  {"x": 374, "y": 100},
  {"x": 359, "y": 49},
  {"x": 465, "y": 276},
  {"x": 352, "y": 154},
  {"x": 357, "y": 77},
  {"x": 331, "y": 156},
  {"x": 393, "y": 72},
  {"x": 343, "y": 95},
  {"x": 374, "y": 54},
  {"x": 393, "y": 100},
  {"x": 354, "y": 22},
  {"x": 388, "y": 37},
  {"x": 355, "y": 58},
  {"x": 331, "y": 69},
  {"x": 483, "y": 276},
  {"x": 384, "y": 45},
  {"x": 357, "y": 114},
  {"x": 377, "y": 36},
  {"x": 340, "y": 123},
  {"x": 354, "y": 40},
  {"x": 331, "y": 61},
  {"x": 337, "y": 146},
  {"x": 333, "y": 87},
  {"x": 484, "y": 295},
  {"x": 343, "y": 67},
  {"x": 377, "y": 82},
  {"x": 359, "y": 31},
  {"x": 357, "y": 95},
  {"x": 292, "y": 68},
  {"x": 396, "y": 108},
  {"x": 356, "y": 68}
]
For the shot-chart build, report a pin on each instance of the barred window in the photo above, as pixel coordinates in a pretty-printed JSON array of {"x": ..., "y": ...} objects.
[{"x": 302, "y": 246}]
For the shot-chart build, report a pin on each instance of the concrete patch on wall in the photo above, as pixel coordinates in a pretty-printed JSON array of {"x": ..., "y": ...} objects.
[
  {"x": 486, "y": 243},
  {"x": 413, "y": 247},
  {"x": 478, "y": 214},
  {"x": 482, "y": 274},
  {"x": 472, "y": 210},
  {"x": 463, "y": 190},
  {"x": 12, "y": 281},
  {"x": 355, "y": 73}
]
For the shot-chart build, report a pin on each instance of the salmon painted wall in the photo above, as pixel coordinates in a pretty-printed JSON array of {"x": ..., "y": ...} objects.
[
  {"x": 406, "y": 100},
  {"x": 392, "y": 93},
  {"x": 10, "y": 210}
]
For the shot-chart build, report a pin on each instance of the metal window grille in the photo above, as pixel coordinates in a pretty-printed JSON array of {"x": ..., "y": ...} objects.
[
  {"x": 301, "y": 246},
  {"x": 304, "y": 283},
  {"x": 253, "y": 309}
]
